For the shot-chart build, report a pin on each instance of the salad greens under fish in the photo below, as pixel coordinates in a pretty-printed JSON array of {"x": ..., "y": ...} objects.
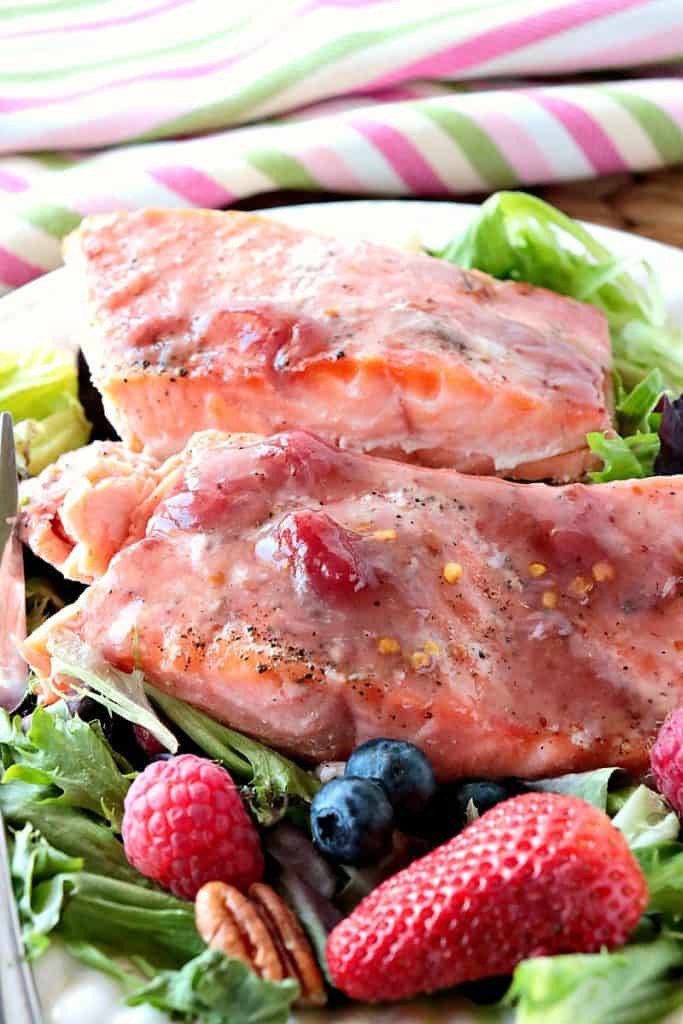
[
  {"x": 519, "y": 237},
  {"x": 40, "y": 388},
  {"x": 64, "y": 779}
]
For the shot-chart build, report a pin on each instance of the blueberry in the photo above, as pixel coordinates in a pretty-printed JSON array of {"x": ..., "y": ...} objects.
[
  {"x": 482, "y": 795},
  {"x": 352, "y": 821},
  {"x": 404, "y": 772}
]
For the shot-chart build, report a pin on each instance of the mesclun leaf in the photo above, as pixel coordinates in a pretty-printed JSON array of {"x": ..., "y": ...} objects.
[
  {"x": 39, "y": 386},
  {"x": 624, "y": 458},
  {"x": 68, "y": 829},
  {"x": 42, "y": 601},
  {"x": 273, "y": 779},
  {"x": 40, "y": 442},
  {"x": 670, "y": 457},
  {"x": 662, "y": 866},
  {"x": 646, "y": 819},
  {"x": 131, "y": 919},
  {"x": 632, "y": 986},
  {"x": 63, "y": 751},
  {"x": 211, "y": 989},
  {"x": 632, "y": 453},
  {"x": 635, "y": 409},
  {"x": 520, "y": 237},
  {"x": 41, "y": 877},
  {"x": 121, "y": 692},
  {"x": 589, "y": 786}
]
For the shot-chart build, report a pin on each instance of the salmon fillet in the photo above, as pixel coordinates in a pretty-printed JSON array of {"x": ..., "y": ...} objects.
[
  {"x": 316, "y": 598},
  {"x": 231, "y": 321}
]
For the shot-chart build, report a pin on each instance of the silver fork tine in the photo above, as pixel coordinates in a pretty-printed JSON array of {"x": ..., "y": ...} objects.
[
  {"x": 8, "y": 479},
  {"x": 19, "y": 1003}
]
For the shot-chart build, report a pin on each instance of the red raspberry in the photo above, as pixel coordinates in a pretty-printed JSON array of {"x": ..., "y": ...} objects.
[
  {"x": 536, "y": 875},
  {"x": 184, "y": 824},
  {"x": 666, "y": 760}
]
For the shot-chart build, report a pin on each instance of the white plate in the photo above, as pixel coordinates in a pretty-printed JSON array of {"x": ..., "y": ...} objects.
[{"x": 40, "y": 312}]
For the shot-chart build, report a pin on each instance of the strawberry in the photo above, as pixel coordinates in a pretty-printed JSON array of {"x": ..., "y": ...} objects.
[{"x": 536, "y": 875}]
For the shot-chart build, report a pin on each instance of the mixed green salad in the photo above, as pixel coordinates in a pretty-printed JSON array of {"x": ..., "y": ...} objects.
[{"x": 66, "y": 769}]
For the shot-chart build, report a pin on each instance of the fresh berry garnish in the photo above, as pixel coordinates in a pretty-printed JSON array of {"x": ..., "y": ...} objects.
[
  {"x": 184, "y": 824},
  {"x": 403, "y": 771},
  {"x": 537, "y": 875},
  {"x": 324, "y": 556},
  {"x": 352, "y": 821},
  {"x": 666, "y": 759}
]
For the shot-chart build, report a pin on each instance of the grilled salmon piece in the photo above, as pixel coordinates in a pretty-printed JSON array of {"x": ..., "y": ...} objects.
[
  {"x": 92, "y": 501},
  {"x": 317, "y": 598},
  {"x": 231, "y": 321}
]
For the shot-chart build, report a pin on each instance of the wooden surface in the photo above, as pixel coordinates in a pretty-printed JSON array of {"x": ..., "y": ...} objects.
[{"x": 647, "y": 204}]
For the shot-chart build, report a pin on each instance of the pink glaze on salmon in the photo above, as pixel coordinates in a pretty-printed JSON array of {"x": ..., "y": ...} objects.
[
  {"x": 200, "y": 320},
  {"x": 316, "y": 598}
]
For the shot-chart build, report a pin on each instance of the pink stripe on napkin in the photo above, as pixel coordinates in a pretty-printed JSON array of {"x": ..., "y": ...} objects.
[
  {"x": 199, "y": 189},
  {"x": 405, "y": 159},
  {"x": 585, "y": 130},
  {"x": 15, "y": 271},
  {"x": 504, "y": 40}
]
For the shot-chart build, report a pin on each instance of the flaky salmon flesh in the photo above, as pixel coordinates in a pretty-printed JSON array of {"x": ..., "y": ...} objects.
[
  {"x": 316, "y": 598},
  {"x": 196, "y": 320}
]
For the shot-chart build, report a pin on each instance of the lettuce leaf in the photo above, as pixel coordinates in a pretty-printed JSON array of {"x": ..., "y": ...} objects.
[
  {"x": 273, "y": 780},
  {"x": 42, "y": 601},
  {"x": 41, "y": 877},
  {"x": 646, "y": 819},
  {"x": 624, "y": 458},
  {"x": 40, "y": 388},
  {"x": 633, "y": 452},
  {"x": 212, "y": 989},
  {"x": 636, "y": 985},
  {"x": 69, "y": 829},
  {"x": 61, "y": 750},
  {"x": 121, "y": 692},
  {"x": 589, "y": 786},
  {"x": 662, "y": 865},
  {"x": 520, "y": 237}
]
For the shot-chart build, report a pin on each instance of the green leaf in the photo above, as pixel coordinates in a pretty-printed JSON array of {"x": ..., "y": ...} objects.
[
  {"x": 131, "y": 919},
  {"x": 631, "y": 986},
  {"x": 41, "y": 442},
  {"x": 39, "y": 386},
  {"x": 589, "y": 786},
  {"x": 273, "y": 779},
  {"x": 634, "y": 410},
  {"x": 41, "y": 877},
  {"x": 42, "y": 601},
  {"x": 632, "y": 453},
  {"x": 520, "y": 237},
  {"x": 646, "y": 819},
  {"x": 63, "y": 751},
  {"x": 624, "y": 458},
  {"x": 121, "y": 692},
  {"x": 662, "y": 866},
  {"x": 211, "y": 989},
  {"x": 68, "y": 829}
]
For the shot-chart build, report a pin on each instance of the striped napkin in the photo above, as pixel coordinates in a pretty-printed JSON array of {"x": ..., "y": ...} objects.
[{"x": 110, "y": 104}]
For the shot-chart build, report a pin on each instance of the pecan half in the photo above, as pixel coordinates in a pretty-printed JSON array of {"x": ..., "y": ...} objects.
[{"x": 262, "y": 932}]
